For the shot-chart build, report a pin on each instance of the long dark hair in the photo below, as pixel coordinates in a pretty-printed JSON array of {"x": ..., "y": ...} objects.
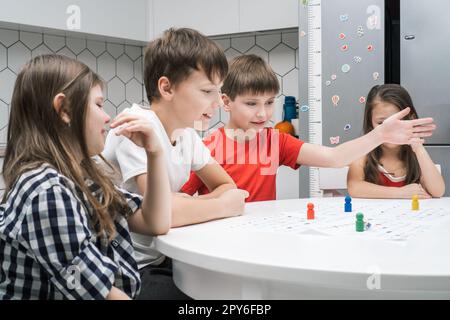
[
  {"x": 399, "y": 97},
  {"x": 37, "y": 134}
]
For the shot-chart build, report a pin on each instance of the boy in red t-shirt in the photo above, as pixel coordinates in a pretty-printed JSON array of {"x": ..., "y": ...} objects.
[{"x": 251, "y": 153}]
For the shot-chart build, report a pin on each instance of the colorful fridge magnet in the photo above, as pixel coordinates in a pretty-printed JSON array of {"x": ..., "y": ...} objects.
[
  {"x": 360, "y": 31},
  {"x": 342, "y": 36},
  {"x": 304, "y": 108},
  {"x": 347, "y": 127},
  {"x": 373, "y": 21},
  {"x": 334, "y": 140},
  {"x": 343, "y": 17},
  {"x": 357, "y": 59},
  {"x": 370, "y": 48},
  {"x": 345, "y": 68},
  {"x": 362, "y": 99},
  {"x": 375, "y": 75},
  {"x": 344, "y": 47},
  {"x": 333, "y": 77},
  {"x": 335, "y": 99},
  {"x": 327, "y": 83}
]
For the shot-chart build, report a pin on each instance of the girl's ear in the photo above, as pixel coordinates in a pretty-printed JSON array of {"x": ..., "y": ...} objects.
[
  {"x": 226, "y": 102},
  {"x": 58, "y": 104},
  {"x": 165, "y": 88}
]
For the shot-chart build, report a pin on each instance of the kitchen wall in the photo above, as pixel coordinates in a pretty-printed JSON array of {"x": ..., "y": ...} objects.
[
  {"x": 118, "y": 64},
  {"x": 121, "y": 67}
]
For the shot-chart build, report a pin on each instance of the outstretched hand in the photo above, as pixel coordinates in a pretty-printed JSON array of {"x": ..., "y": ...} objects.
[{"x": 397, "y": 131}]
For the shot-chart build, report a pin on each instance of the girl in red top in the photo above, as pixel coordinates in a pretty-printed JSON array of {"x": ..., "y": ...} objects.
[{"x": 393, "y": 171}]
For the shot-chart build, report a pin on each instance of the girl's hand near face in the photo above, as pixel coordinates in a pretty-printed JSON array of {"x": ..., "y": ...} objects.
[{"x": 139, "y": 130}]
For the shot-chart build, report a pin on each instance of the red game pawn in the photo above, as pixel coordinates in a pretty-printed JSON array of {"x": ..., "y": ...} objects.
[{"x": 310, "y": 212}]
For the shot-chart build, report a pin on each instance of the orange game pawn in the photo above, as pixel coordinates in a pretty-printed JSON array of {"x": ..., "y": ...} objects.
[{"x": 310, "y": 212}]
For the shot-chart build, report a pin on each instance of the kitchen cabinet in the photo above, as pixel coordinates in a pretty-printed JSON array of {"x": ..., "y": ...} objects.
[
  {"x": 112, "y": 18},
  {"x": 211, "y": 17},
  {"x": 258, "y": 15},
  {"x": 217, "y": 17}
]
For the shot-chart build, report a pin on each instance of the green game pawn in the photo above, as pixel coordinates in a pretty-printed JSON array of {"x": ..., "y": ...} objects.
[{"x": 359, "y": 222}]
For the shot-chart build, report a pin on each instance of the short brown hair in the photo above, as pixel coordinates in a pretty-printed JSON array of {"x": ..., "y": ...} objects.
[
  {"x": 249, "y": 74},
  {"x": 176, "y": 54}
]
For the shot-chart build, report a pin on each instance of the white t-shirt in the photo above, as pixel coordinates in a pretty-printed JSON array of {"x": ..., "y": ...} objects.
[{"x": 188, "y": 154}]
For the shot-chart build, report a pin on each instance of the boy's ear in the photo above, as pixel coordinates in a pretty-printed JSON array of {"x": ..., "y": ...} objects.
[
  {"x": 226, "y": 102},
  {"x": 58, "y": 104},
  {"x": 165, "y": 88}
]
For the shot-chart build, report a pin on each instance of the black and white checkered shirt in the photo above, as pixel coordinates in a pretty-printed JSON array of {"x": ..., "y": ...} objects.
[{"x": 48, "y": 246}]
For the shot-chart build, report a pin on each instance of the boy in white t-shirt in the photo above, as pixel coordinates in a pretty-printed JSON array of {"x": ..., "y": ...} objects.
[{"x": 183, "y": 74}]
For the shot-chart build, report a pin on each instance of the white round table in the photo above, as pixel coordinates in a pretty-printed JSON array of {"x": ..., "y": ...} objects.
[{"x": 217, "y": 260}]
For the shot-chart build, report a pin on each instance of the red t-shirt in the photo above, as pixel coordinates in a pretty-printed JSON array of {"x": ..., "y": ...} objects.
[
  {"x": 386, "y": 182},
  {"x": 251, "y": 164}
]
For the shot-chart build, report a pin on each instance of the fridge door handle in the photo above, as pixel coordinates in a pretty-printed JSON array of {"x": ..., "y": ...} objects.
[{"x": 410, "y": 37}]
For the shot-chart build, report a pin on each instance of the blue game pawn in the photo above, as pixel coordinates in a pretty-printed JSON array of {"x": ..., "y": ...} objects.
[{"x": 348, "y": 204}]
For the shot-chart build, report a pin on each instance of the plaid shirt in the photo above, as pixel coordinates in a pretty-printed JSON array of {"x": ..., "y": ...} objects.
[{"x": 48, "y": 246}]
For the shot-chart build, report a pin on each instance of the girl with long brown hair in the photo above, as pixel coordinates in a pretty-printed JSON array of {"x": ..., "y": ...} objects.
[
  {"x": 393, "y": 171},
  {"x": 64, "y": 226}
]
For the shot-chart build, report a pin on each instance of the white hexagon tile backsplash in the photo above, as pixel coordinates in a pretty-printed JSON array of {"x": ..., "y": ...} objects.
[
  {"x": 118, "y": 64},
  {"x": 279, "y": 49},
  {"x": 121, "y": 65}
]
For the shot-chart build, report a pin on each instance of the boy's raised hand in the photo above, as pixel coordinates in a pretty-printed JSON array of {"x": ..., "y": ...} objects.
[
  {"x": 139, "y": 130},
  {"x": 397, "y": 131}
]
